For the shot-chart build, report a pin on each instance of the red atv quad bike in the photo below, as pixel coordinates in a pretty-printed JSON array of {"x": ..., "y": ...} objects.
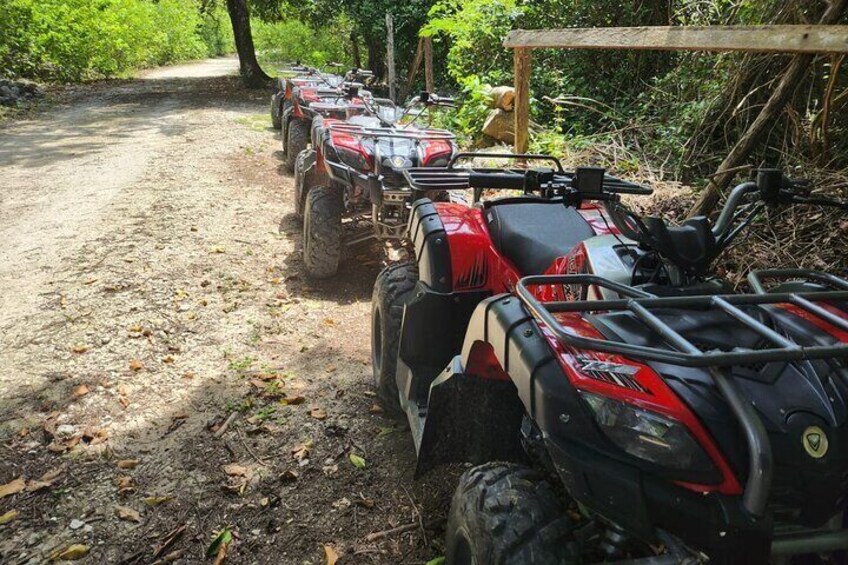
[
  {"x": 311, "y": 100},
  {"x": 353, "y": 174},
  {"x": 294, "y": 76},
  {"x": 621, "y": 402}
]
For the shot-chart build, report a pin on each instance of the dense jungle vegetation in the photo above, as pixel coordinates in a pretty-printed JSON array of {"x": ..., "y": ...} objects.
[{"x": 677, "y": 112}]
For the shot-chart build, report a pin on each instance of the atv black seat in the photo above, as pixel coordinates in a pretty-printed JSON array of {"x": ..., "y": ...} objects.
[{"x": 532, "y": 234}]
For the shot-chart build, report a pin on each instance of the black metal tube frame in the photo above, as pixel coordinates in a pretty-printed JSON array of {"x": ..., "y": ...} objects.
[{"x": 641, "y": 304}]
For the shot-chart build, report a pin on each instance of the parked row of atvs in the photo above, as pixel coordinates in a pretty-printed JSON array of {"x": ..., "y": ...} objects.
[{"x": 619, "y": 401}]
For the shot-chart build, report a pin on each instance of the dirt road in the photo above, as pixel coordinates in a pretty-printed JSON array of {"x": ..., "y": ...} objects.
[{"x": 151, "y": 287}]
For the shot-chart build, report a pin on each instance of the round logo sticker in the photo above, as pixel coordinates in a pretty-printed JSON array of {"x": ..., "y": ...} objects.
[{"x": 815, "y": 442}]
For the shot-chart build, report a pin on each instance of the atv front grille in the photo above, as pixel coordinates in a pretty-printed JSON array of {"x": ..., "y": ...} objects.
[{"x": 678, "y": 350}]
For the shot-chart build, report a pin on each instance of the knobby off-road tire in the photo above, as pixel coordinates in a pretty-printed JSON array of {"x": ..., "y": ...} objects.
[
  {"x": 392, "y": 290},
  {"x": 506, "y": 514},
  {"x": 276, "y": 113},
  {"x": 322, "y": 231},
  {"x": 302, "y": 183},
  {"x": 297, "y": 139}
]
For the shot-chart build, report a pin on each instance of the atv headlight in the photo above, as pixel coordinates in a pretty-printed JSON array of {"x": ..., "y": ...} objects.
[
  {"x": 353, "y": 159},
  {"x": 647, "y": 435}
]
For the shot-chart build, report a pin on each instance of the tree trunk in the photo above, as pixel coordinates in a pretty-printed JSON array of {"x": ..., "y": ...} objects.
[
  {"x": 354, "y": 46},
  {"x": 251, "y": 73},
  {"x": 795, "y": 72},
  {"x": 377, "y": 58}
]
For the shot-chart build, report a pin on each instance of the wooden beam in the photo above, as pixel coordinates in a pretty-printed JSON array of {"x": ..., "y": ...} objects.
[
  {"x": 413, "y": 70},
  {"x": 523, "y": 63},
  {"x": 428, "y": 64},
  {"x": 763, "y": 39}
]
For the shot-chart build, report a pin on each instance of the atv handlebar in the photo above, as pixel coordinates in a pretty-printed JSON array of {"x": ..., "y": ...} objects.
[{"x": 694, "y": 245}]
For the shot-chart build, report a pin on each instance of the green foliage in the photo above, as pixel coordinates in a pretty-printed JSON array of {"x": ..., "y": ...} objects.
[
  {"x": 293, "y": 40},
  {"x": 72, "y": 40}
]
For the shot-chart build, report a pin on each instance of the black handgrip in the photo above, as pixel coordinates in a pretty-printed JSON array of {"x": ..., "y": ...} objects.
[{"x": 496, "y": 180}]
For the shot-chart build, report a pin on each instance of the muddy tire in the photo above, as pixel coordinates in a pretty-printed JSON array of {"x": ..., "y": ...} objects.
[
  {"x": 506, "y": 514},
  {"x": 392, "y": 289},
  {"x": 303, "y": 181},
  {"x": 297, "y": 139},
  {"x": 322, "y": 231},
  {"x": 276, "y": 113}
]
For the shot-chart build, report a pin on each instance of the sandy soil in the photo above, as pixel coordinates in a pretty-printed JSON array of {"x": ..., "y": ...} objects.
[{"x": 150, "y": 287}]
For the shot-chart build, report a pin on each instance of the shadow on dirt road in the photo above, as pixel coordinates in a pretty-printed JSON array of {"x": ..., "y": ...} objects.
[{"x": 152, "y": 288}]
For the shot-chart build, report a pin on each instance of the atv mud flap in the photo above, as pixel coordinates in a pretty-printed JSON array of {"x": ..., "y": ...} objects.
[{"x": 470, "y": 419}]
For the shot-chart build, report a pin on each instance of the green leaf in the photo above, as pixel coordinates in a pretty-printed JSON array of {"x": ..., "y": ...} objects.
[
  {"x": 357, "y": 461},
  {"x": 436, "y": 561},
  {"x": 224, "y": 537}
]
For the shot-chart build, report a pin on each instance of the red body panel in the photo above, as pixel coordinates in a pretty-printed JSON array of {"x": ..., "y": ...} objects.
[{"x": 431, "y": 150}]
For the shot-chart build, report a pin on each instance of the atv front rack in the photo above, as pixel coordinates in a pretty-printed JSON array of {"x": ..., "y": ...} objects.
[
  {"x": 515, "y": 178},
  {"x": 684, "y": 353},
  {"x": 395, "y": 132}
]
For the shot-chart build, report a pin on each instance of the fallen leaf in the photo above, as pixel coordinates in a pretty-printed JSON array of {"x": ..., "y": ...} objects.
[
  {"x": 329, "y": 322},
  {"x": 169, "y": 359},
  {"x": 80, "y": 391},
  {"x": 330, "y": 555},
  {"x": 376, "y": 409},
  {"x": 236, "y": 470},
  {"x": 14, "y": 487},
  {"x": 293, "y": 401},
  {"x": 216, "y": 250},
  {"x": 136, "y": 365},
  {"x": 127, "y": 463},
  {"x": 123, "y": 401},
  {"x": 365, "y": 502},
  {"x": 384, "y": 431},
  {"x": 318, "y": 413},
  {"x": 8, "y": 516},
  {"x": 301, "y": 451},
  {"x": 128, "y": 514},
  {"x": 79, "y": 348},
  {"x": 219, "y": 546},
  {"x": 35, "y": 486},
  {"x": 157, "y": 500},
  {"x": 289, "y": 476},
  {"x": 357, "y": 461},
  {"x": 125, "y": 485},
  {"x": 74, "y": 552},
  {"x": 51, "y": 476}
]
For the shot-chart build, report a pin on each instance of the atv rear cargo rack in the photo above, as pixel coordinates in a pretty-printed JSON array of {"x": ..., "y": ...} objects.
[{"x": 685, "y": 353}]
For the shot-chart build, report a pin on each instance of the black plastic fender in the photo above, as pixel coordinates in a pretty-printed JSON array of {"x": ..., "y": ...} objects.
[{"x": 432, "y": 248}]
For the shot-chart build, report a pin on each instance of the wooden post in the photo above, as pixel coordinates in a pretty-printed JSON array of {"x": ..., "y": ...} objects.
[
  {"x": 413, "y": 70},
  {"x": 428, "y": 64},
  {"x": 390, "y": 54},
  {"x": 523, "y": 63}
]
